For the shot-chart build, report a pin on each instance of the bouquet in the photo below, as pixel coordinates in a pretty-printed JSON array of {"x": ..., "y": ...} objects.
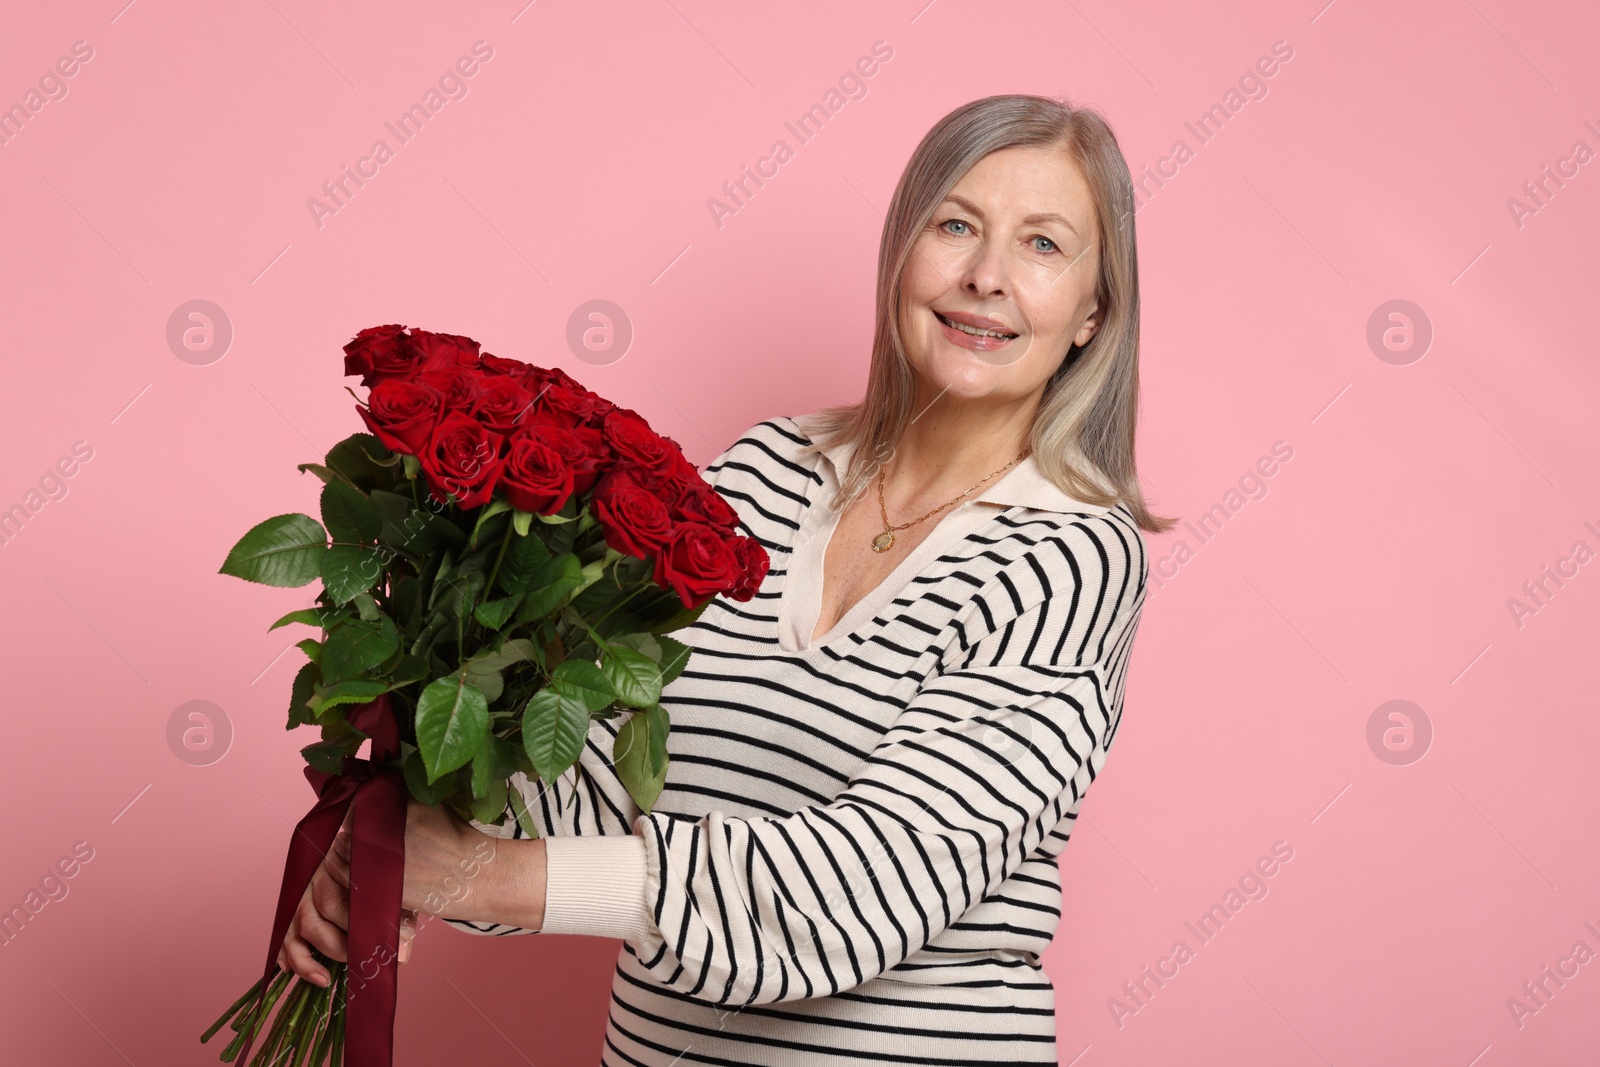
[{"x": 502, "y": 558}]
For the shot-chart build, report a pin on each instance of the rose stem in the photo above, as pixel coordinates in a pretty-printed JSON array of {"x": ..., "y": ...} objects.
[{"x": 231, "y": 1012}]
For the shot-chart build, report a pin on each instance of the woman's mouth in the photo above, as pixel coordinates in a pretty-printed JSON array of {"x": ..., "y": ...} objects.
[{"x": 973, "y": 337}]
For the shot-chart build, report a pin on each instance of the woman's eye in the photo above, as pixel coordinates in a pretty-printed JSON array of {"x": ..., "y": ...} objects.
[
  {"x": 1047, "y": 241},
  {"x": 953, "y": 222}
]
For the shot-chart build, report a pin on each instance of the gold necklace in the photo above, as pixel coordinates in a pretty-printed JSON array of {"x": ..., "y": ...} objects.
[{"x": 885, "y": 541}]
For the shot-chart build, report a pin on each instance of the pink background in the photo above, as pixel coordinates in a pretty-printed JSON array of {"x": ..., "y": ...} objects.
[{"x": 1421, "y": 493}]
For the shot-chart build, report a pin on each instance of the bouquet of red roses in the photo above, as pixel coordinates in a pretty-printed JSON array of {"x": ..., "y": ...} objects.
[{"x": 501, "y": 560}]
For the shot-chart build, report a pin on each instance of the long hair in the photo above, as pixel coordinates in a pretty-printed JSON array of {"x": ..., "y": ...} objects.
[{"x": 1082, "y": 435}]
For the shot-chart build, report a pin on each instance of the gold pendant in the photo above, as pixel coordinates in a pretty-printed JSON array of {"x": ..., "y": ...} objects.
[{"x": 883, "y": 542}]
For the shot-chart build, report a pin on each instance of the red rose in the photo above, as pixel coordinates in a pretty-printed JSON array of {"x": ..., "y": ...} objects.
[
  {"x": 573, "y": 406},
  {"x": 459, "y": 386},
  {"x": 585, "y": 453},
  {"x": 376, "y": 353},
  {"x": 542, "y": 376},
  {"x": 511, "y": 368},
  {"x": 701, "y": 503},
  {"x": 753, "y": 564},
  {"x": 535, "y": 477},
  {"x": 697, "y": 564},
  {"x": 502, "y": 404},
  {"x": 634, "y": 520},
  {"x": 634, "y": 441},
  {"x": 402, "y": 414},
  {"x": 432, "y": 350},
  {"x": 462, "y": 458}
]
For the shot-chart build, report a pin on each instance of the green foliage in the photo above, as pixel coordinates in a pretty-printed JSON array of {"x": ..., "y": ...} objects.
[
  {"x": 498, "y": 635},
  {"x": 452, "y": 722},
  {"x": 285, "y": 550},
  {"x": 640, "y": 755}
]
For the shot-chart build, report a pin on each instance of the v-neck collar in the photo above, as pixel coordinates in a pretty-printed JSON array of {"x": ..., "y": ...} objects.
[{"x": 800, "y": 603}]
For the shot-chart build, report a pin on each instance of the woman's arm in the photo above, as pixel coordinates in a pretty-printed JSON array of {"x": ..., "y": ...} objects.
[{"x": 993, "y": 755}]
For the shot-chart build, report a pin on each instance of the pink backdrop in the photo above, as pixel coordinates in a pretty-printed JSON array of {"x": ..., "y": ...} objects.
[{"x": 1431, "y": 458}]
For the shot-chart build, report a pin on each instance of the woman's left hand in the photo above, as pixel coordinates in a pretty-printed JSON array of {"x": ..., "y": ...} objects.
[{"x": 445, "y": 862}]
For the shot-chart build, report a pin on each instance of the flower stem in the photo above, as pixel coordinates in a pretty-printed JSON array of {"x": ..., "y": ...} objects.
[{"x": 255, "y": 990}]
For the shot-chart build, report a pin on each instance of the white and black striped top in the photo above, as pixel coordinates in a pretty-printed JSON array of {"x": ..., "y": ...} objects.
[{"x": 854, "y": 855}]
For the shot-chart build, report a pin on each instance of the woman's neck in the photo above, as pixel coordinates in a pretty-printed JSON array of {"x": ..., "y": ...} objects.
[{"x": 952, "y": 445}]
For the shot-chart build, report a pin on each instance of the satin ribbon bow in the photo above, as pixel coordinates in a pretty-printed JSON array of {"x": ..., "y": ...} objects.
[{"x": 376, "y": 789}]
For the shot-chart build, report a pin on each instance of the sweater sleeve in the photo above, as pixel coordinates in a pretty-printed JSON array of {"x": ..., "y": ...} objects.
[
  {"x": 595, "y": 868},
  {"x": 991, "y": 756}
]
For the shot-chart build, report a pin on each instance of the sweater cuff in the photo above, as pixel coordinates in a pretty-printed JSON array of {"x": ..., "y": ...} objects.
[{"x": 595, "y": 885}]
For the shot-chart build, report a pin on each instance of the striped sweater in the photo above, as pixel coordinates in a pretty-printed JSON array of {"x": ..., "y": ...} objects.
[{"x": 854, "y": 855}]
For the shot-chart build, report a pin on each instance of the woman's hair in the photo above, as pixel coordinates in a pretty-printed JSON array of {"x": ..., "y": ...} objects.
[{"x": 1083, "y": 433}]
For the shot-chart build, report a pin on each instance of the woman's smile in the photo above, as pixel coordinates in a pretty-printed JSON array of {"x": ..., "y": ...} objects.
[{"x": 969, "y": 331}]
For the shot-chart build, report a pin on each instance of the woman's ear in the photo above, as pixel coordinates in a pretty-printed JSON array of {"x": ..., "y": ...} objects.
[{"x": 1091, "y": 325}]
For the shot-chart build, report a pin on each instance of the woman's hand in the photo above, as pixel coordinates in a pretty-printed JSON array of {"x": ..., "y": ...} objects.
[
  {"x": 445, "y": 861},
  {"x": 322, "y": 919},
  {"x": 452, "y": 870}
]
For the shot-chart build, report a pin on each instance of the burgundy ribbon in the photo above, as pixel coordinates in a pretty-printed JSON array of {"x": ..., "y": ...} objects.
[{"x": 376, "y": 790}]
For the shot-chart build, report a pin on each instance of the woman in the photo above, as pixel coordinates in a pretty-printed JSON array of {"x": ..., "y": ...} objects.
[{"x": 876, "y": 761}]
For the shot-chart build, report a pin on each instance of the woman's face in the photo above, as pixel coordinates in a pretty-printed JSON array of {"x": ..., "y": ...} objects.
[{"x": 1013, "y": 242}]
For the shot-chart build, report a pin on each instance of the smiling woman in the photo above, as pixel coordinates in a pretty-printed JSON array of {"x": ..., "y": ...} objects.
[{"x": 876, "y": 761}]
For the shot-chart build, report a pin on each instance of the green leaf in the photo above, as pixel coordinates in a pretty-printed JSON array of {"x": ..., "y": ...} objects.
[
  {"x": 413, "y": 465},
  {"x": 522, "y": 522},
  {"x": 490, "y": 807},
  {"x": 674, "y": 657},
  {"x": 328, "y": 756},
  {"x": 493, "y": 615},
  {"x": 285, "y": 550},
  {"x": 353, "y": 647},
  {"x": 585, "y": 682},
  {"x": 319, "y": 470},
  {"x": 305, "y": 681},
  {"x": 497, "y": 506},
  {"x": 520, "y": 567},
  {"x": 351, "y": 691},
  {"x": 348, "y": 514},
  {"x": 409, "y": 669},
  {"x": 646, "y": 643},
  {"x": 308, "y": 616},
  {"x": 395, "y": 510},
  {"x": 484, "y": 670},
  {"x": 556, "y": 580},
  {"x": 680, "y": 620},
  {"x": 554, "y": 726},
  {"x": 483, "y": 768},
  {"x": 361, "y": 455},
  {"x": 519, "y": 808},
  {"x": 631, "y": 673},
  {"x": 312, "y": 648},
  {"x": 632, "y": 756},
  {"x": 452, "y": 720},
  {"x": 366, "y": 606},
  {"x": 350, "y": 569},
  {"x": 417, "y": 781},
  {"x": 592, "y": 572}
]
